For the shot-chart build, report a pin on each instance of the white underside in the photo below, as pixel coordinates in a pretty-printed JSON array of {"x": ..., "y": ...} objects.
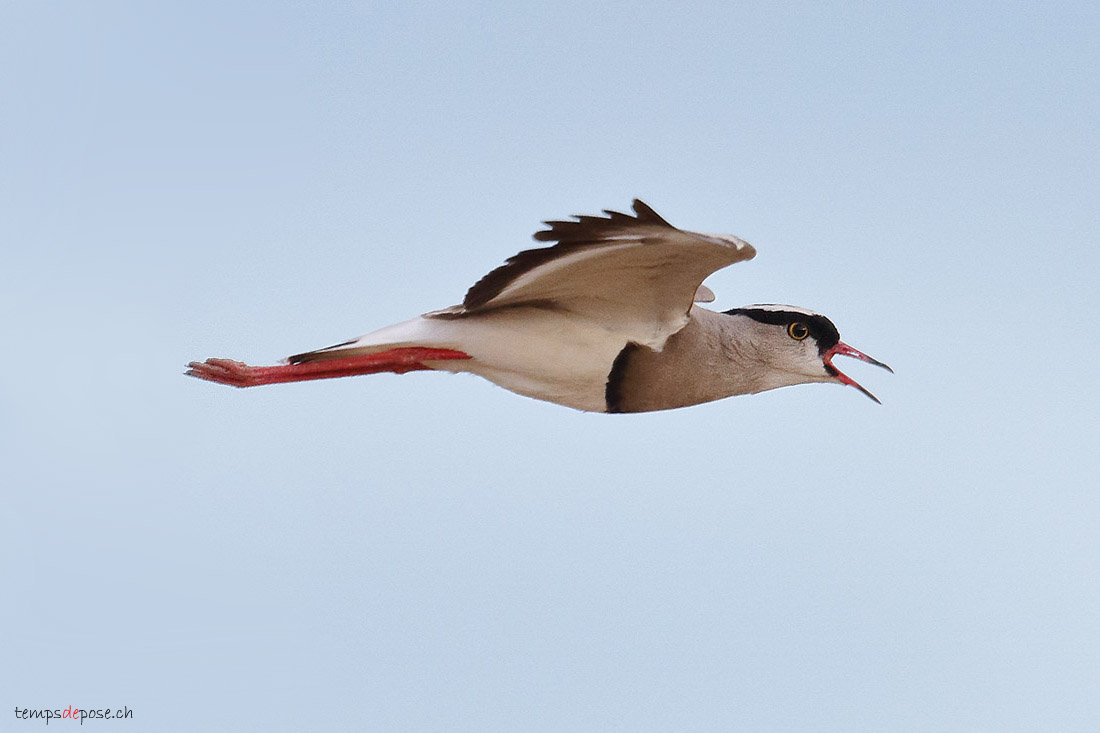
[{"x": 540, "y": 353}]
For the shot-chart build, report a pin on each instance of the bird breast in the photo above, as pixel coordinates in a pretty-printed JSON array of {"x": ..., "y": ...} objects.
[{"x": 706, "y": 360}]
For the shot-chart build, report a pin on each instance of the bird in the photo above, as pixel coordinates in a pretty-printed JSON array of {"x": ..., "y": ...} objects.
[{"x": 605, "y": 319}]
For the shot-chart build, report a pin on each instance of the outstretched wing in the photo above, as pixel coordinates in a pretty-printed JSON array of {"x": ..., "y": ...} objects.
[{"x": 634, "y": 275}]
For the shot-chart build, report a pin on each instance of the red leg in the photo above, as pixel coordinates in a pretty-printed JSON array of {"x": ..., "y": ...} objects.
[{"x": 399, "y": 361}]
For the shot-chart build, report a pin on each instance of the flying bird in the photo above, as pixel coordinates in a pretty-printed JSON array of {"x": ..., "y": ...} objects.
[{"x": 604, "y": 320}]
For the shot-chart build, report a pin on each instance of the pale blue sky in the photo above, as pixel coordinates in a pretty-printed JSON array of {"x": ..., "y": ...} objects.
[{"x": 429, "y": 552}]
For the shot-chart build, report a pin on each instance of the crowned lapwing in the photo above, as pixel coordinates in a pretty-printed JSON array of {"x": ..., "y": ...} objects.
[{"x": 603, "y": 320}]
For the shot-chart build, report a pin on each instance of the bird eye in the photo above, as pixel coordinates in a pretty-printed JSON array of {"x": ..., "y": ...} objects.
[{"x": 798, "y": 330}]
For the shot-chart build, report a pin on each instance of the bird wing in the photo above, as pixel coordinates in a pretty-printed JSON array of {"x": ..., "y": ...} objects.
[
  {"x": 634, "y": 275},
  {"x": 703, "y": 294}
]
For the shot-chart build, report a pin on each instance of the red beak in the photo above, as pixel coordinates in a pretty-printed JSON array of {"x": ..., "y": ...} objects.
[{"x": 843, "y": 349}]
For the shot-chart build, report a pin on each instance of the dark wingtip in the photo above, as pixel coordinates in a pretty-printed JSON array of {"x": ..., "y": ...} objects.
[
  {"x": 645, "y": 212},
  {"x": 567, "y": 236}
]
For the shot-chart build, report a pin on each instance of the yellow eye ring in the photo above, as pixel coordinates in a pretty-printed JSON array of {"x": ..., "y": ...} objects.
[{"x": 798, "y": 330}]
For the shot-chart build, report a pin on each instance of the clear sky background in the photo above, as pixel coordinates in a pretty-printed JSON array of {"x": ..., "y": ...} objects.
[{"x": 430, "y": 552}]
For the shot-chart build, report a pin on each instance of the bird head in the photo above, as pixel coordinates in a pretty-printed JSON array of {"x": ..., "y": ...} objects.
[{"x": 798, "y": 346}]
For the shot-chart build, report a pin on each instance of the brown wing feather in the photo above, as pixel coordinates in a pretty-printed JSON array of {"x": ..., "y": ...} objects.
[
  {"x": 635, "y": 275},
  {"x": 571, "y": 236}
]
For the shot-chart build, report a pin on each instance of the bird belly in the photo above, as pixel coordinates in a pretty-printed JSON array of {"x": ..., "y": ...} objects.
[
  {"x": 543, "y": 354},
  {"x": 536, "y": 352}
]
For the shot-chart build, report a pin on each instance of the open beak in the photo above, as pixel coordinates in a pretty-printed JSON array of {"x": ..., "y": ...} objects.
[{"x": 843, "y": 349}]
